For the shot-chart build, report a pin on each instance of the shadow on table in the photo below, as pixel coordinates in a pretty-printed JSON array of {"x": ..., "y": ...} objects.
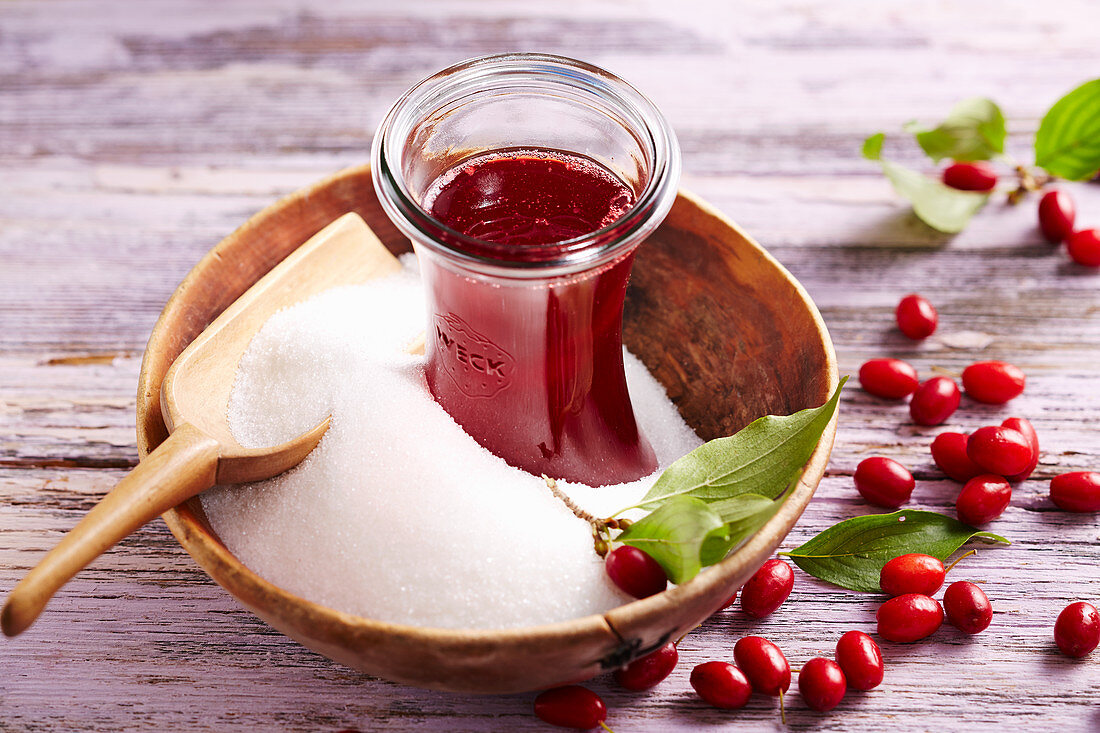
[{"x": 899, "y": 229}]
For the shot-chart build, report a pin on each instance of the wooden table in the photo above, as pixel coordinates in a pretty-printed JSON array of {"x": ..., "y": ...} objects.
[{"x": 133, "y": 136}]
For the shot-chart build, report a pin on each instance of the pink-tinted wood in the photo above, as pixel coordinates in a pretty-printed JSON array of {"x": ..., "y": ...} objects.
[{"x": 133, "y": 137}]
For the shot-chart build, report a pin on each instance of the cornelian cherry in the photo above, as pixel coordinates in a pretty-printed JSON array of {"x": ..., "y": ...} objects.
[
  {"x": 884, "y": 481},
  {"x": 983, "y": 499},
  {"x": 1084, "y": 247},
  {"x": 1077, "y": 630},
  {"x": 916, "y": 317},
  {"x": 912, "y": 573},
  {"x": 1078, "y": 491},
  {"x": 970, "y": 176},
  {"x": 891, "y": 379},
  {"x": 999, "y": 450},
  {"x": 1056, "y": 215},
  {"x": 934, "y": 401},
  {"x": 910, "y": 617},
  {"x": 646, "y": 672},
  {"x": 822, "y": 684},
  {"x": 967, "y": 607},
  {"x": 993, "y": 382},
  {"x": 730, "y": 601},
  {"x": 949, "y": 453},
  {"x": 635, "y": 572},
  {"x": 763, "y": 664},
  {"x": 721, "y": 684},
  {"x": 767, "y": 588},
  {"x": 571, "y": 706},
  {"x": 1025, "y": 429},
  {"x": 859, "y": 656}
]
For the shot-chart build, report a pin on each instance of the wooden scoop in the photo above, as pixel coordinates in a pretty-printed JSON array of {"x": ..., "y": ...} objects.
[{"x": 201, "y": 451}]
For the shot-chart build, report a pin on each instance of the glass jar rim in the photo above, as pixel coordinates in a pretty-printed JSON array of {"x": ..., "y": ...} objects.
[{"x": 570, "y": 255}]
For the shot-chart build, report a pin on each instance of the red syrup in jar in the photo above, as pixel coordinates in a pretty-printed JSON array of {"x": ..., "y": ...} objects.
[{"x": 533, "y": 369}]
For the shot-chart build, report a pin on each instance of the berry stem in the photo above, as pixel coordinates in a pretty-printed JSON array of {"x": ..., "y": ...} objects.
[
  {"x": 597, "y": 524},
  {"x": 782, "y": 709},
  {"x": 1028, "y": 182},
  {"x": 957, "y": 561},
  {"x": 604, "y": 726}
]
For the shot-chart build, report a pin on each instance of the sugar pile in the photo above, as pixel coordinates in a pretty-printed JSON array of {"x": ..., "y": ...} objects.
[{"x": 398, "y": 515}]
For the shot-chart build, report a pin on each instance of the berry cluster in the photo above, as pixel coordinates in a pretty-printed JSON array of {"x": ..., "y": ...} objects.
[
  {"x": 913, "y": 614},
  {"x": 1057, "y": 211},
  {"x": 987, "y": 463},
  {"x": 759, "y": 665}
]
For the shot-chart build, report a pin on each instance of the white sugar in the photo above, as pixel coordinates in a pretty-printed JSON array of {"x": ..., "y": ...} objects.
[{"x": 398, "y": 515}]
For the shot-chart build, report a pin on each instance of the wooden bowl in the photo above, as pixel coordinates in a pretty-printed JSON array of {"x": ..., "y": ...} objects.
[{"x": 719, "y": 322}]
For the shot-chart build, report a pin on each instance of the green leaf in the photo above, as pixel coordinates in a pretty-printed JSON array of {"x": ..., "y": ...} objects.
[
  {"x": 739, "y": 507},
  {"x": 940, "y": 207},
  {"x": 974, "y": 130},
  {"x": 674, "y": 534},
  {"x": 759, "y": 459},
  {"x": 851, "y": 554},
  {"x": 1068, "y": 141},
  {"x": 744, "y": 516},
  {"x": 872, "y": 146}
]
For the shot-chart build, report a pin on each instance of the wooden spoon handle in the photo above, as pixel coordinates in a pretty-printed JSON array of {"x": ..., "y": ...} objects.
[{"x": 182, "y": 466}]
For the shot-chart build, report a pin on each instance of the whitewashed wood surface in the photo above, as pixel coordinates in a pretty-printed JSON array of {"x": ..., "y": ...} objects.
[{"x": 133, "y": 136}]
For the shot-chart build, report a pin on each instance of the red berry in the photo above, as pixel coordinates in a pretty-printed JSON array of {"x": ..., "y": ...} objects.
[
  {"x": 635, "y": 572},
  {"x": 976, "y": 176},
  {"x": 764, "y": 665},
  {"x": 571, "y": 706},
  {"x": 1077, "y": 630},
  {"x": 821, "y": 684},
  {"x": 767, "y": 588},
  {"x": 1025, "y": 429},
  {"x": 729, "y": 601},
  {"x": 949, "y": 453},
  {"x": 967, "y": 607},
  {"x": 888, "y": 378},
  {"x": 912, "y": 573},
  {"x": 999, "y": 450},
  {"x": 645, "y": 672},
  {"x": 934, "y": 401},
  {"x": 911, "y": 617},
  {"x": 884, "y": 481},
  {"x": 721, "y": 684},
  {"x": 1084, "y": 247},
  {"x": 993, "y": 382},
  {"x": 859, "y": 656},
  {"x": 983, "y": 499},
  {"x": 916, "y": 317},
  {"x": 1076, "y": 492},
  {"x": 1056, "y": 215}
]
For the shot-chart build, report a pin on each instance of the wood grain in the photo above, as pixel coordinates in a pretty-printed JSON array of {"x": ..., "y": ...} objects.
[{"x": 133, "y": 137}]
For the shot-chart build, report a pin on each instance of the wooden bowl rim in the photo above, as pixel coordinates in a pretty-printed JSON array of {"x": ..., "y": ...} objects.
[{"x": 258, "y": 593}]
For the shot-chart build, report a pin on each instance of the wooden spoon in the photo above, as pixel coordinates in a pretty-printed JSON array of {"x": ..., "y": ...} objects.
[{"x": 201, "y": 451}]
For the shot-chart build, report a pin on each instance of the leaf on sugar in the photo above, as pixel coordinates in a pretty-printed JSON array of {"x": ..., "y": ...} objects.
[
  {"x": 1068, "y": 141},
  {"x": 973, "y": 130},
  {"x": 744, "y": 516},
  {"x": 674, "y": 534},
  {"x": 851, "y": 554},
  {"x": 759, "y": 459}
]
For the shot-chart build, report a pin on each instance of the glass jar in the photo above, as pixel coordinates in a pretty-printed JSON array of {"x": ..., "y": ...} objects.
[{"x": 524, "y": 344}]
